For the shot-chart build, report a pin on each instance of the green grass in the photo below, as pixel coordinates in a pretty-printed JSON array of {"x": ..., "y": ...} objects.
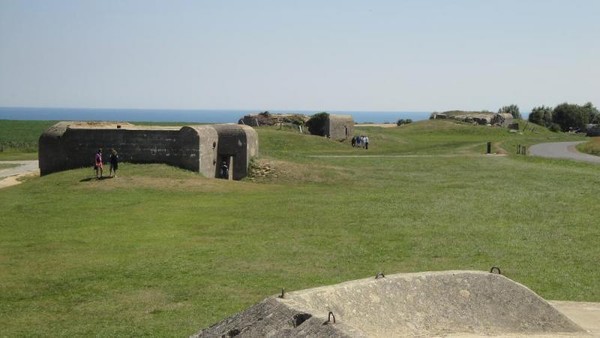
[
  {"x": 164, "y": 252},
  {"x": 19, "y": 139}
]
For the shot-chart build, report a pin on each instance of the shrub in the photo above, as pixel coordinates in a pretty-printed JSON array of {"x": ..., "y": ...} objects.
[{"x": 316, "y": 123}]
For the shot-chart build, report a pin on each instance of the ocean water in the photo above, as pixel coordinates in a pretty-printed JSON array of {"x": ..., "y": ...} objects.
[{"x": 174, "y": 115}]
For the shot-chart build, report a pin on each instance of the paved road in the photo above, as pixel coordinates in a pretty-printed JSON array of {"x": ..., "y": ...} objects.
[
  {"x": 9, "y": 176},
  {"x": 564, "y": 150}
]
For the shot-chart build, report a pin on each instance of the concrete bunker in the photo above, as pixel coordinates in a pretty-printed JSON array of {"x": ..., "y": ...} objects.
[
  {"x": 413, "y": 304},
  {"x": 70, "y": 145},
  {"x": 339, "y": 127},
  {"x": 335, "y": 127},
  {"x": 237, "y": 145}
]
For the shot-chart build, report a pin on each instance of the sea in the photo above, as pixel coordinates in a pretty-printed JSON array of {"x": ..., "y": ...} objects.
[{"x": 184, "y": 116}]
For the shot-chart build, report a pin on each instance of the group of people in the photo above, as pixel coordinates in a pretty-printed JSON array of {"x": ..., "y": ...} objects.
[
  {"x": 360, "y": 141},
  {"x": 99, "y": 163}
]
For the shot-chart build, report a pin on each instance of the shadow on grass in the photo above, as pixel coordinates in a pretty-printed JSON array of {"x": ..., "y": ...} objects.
[{"x": 87, "y": 179}]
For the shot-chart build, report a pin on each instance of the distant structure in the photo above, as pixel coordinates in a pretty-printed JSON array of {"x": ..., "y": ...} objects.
[
  {"x": 201, "y": 148},
  {"x": 271, "y": 119},
  {"x": 593, "y": 130},
  {"x": 333, "y": 126},
  {"x": 339, "y": 127},
  {"x": 478, "y": 117}
]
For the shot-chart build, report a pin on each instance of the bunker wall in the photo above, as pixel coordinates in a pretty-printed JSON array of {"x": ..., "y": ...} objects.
[
  {"x": 339, "y": 127},
  {"x": 63, "y": 148},
  {"x": 197, "y": 149}
]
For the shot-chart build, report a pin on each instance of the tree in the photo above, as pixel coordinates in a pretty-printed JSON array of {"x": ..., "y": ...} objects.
[
  {"x": 541, "y": 115},
  {"x": 403, "y": 121},
  {"x": 513, "y": 109},
  {"x": 572, "y": 116},
  {"x": 316, "y": 123},
  {"x": 592, "y": 112}
]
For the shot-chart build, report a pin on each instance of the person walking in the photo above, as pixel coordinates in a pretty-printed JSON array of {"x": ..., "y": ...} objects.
[
  {"x": 366, "y": 142},
  {"x": 114, "y": 162},
  {"x": 98, "y": 164}
]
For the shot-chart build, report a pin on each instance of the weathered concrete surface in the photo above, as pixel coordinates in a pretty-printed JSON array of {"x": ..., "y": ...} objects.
[
  {"x": 271, "y": 318},
  {"x": 452, "y": 303},
  {"x": 339, "y": 127}
]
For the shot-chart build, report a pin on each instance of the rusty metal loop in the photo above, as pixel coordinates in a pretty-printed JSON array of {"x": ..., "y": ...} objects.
[
  {"x": 495, "y": 268},
  {"x": 329, "y": 317},
  {"x": 379, "y": 274}
]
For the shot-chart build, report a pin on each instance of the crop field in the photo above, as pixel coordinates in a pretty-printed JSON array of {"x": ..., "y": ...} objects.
[{"x": 160, "y": 251}]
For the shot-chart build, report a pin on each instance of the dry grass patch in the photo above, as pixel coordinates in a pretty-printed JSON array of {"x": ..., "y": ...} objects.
[
  {"x": 272, "y": 170},
  {"x": 195, "y": 184},
  {"x": 591, "y": 147}
]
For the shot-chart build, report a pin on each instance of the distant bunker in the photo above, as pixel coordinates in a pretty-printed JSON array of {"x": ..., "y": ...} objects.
[
  {"x": 449, "y": 303},
  {"x": 481, "y": 118},
  {"x": 199, "y": 148},
  {"x": 339, "y": 127},
  {"x": 333, "y": 126}
]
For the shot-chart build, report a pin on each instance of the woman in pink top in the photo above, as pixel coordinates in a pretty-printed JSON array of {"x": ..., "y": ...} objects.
[{"x": 98, "y": 164}]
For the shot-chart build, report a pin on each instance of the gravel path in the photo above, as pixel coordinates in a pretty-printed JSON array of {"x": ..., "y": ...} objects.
[
  {"x": 10, "y": 176},
  {"x": 564, "y": 150}
]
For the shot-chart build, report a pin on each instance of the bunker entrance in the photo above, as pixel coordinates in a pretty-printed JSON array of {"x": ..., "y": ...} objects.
[{"x": 225, "y": 169}]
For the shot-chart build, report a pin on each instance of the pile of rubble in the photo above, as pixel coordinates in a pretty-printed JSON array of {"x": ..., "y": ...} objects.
[
  {"x": 261, "y": 169},
  {"x": 475, "y": 117},
  {"x": 269, "y": 119}
]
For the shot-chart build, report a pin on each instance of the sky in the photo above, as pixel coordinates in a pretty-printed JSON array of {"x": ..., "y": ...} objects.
[{"x": 335, "y": 55}]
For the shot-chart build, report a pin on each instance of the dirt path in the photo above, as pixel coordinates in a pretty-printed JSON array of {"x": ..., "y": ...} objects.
[
  {"x": 10, "y": 176},
  {"x": 586, "y": 315},
  {"x": 563, "y": 150}
]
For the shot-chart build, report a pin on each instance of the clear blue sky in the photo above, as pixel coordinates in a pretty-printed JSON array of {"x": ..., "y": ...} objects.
[{"x": 403, "y": 55}]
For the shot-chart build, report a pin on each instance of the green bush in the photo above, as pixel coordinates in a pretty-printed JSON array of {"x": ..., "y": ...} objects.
[
  {"x": 403, "y": 121},
  {"x": 316, "y": 123}
]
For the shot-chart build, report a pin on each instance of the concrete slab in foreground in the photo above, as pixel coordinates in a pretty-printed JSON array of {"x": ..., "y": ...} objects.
[{"x": 451, "y": 303}]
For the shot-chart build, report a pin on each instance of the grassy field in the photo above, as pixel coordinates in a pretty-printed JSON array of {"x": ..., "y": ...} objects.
[
  {"x": 164, "y": 252},
  {"x": 19, "y": 139}
]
